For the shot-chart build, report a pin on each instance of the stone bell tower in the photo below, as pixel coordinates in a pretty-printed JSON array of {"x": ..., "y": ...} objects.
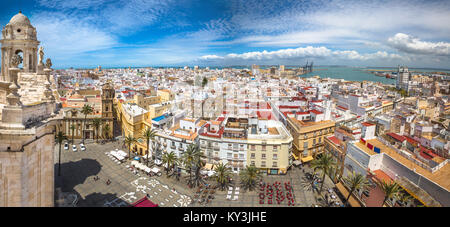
[{"x": 19, "y": 37}]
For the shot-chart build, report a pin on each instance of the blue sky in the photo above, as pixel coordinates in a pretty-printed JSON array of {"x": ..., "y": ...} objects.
[{"x": 87, "y": 33}]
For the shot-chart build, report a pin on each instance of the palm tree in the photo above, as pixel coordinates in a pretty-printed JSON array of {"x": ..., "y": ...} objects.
[
  {"x": 170, "y": 159},
  {"x": 129, "y": 141},
  {"x": 355, "y": 181},
  {"x": 198, "y": 164},
  {"x": 86, "y": 110},
  {"x": 60, "y": 137},
  {"x": 406, "y": 198},
  {"x": 324, "y": 163},
  {"x": 96, "y": 122},
  {"x": 106, "y": 130},
  {"x": 222, "y": 175},
  {"x": 249, "y": 176},
  {"x": 72, "y": 127},
  {"x": 390, "y": 190},
  {"x": 189, "y": 158},
  {"x": 149, "y": 134}
]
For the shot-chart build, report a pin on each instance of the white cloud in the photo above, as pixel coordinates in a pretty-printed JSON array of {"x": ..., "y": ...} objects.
[
  {"x": 413, "y": 45},
  {"x": 302, "y": 52},
  {"x": 64, "y": 36}
]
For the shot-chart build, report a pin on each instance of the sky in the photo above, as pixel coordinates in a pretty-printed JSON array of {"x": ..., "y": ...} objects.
[{"x": 122, "y": 33}]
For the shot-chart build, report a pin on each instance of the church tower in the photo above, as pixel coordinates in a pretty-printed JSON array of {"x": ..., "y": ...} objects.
[
  {"x": 107, "y": 100},
  {"x": 28, "y": 119},
  {"x": 19, "y": 37}
]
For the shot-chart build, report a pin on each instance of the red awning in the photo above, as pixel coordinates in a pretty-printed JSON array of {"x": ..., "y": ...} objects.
[{"x": 144, "y": 202}]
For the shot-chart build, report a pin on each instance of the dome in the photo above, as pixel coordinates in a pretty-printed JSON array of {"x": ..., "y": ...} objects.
[{"x": 19, "y": 19}]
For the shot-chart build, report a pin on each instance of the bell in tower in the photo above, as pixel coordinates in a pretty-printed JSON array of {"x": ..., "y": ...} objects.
[{"x": 19, "y": 38}]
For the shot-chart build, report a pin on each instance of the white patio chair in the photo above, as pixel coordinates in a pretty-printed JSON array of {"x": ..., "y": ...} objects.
[
  {"x": 236, "y": 197},
  {"x": 229, "y": 196}
]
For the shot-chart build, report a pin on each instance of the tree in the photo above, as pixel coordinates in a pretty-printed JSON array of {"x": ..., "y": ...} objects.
[
  {"x": 406, "y": 198},
  {"x": 129, "y": 141},
  {"x": 355, "y": 181},
  {"x": 390, "y": 190},
  {"x": 325, "y": 162},
  {"x": 189, "y": 158},
  {"x": 149, "y": 134},
  {"x": 222, "y": 175},
  {"x": 204, "y": 81},
  {"x": 106, "y": 130},
  {"x": 86, "y": 110},
  {"x": 96, "y": 122},
  {"x": 60, "y": 137},
  {"x": 72, "y": 127},
  {"x": 169, "y": 159},
  {"x": 249, "y": 176}
]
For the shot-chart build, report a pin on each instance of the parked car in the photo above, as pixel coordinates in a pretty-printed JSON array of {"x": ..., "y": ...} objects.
[
  {"x": 66, "y": 146},
  {"x": 74, "y": 147},
  {"x": 82, "y": 147}
]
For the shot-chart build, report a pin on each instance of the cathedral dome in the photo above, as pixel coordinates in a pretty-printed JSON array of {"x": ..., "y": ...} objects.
[{"x": 19, "y": 19}]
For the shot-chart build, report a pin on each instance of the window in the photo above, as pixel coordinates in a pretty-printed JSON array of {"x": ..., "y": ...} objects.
[
  {"x": 241, "y": 156},
  {"x": 229, "y": 155},
  {"x": 275, "y": 156},
  {"x": 252, "y": 163},
  {"x": 263, "y": 164},
  {"x": 252, "y": 155},
  {"x": 275, "y": 148},
  {"x": 253, "y": 147},
  {"x": 305, "y": 145},
  {"x": 314, "y": 142},
  {"x": 274, "y": 164},
  {"x": 320, "y": 139},
  {"x": 263, "y": 156},
  {"x": 263, "y": 147}
]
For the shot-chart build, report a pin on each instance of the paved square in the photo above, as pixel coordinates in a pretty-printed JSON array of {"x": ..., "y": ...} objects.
[{"x": 79, "y": 169}]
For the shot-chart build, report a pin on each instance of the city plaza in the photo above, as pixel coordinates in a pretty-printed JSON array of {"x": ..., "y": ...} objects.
[{"x": 79, "y": 187}]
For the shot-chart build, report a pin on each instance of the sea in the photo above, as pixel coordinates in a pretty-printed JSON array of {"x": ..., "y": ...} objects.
[{"x": 359, "y": 73}]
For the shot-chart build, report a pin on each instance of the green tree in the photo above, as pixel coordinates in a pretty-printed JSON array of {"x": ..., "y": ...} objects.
[
  {"x": 169, "y": 159},
  {"x": 189, "y": 158},
  {"x": 355, "y": 181},
  {"x": 149, "y": 135},
  {"x": 204, "y": 81},
  {"x": 60, "y": 137},
  {"x": 222, "y": 175},
  {"x": 106, "y": 130},
  {"x": 390, "y": 190},
  {"x": 249, "y": 176},
  {"x": 129, "y": 141},
  {"x": 406, "y": 198},
  {"x": 324, "y": 163},
  {"x": 86, "y": 110},
  {"x": 96, "y": 122}
]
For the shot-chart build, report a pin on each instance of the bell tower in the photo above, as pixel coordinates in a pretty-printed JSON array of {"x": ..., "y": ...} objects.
[
  {"x": 107, "y": 101},
  {"x": 19, "y": 37}
]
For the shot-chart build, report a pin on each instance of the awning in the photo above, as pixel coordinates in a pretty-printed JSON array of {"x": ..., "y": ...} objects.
[
  {"x": 343, "y": 190},
  {"x": 295, "y": 156},
  {"x": 144, "y": 202},
  {"x": 307, "y": 159}
]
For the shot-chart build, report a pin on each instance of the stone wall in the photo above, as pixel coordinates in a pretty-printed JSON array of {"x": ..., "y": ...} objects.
[{"x": 27, "y": 176}]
